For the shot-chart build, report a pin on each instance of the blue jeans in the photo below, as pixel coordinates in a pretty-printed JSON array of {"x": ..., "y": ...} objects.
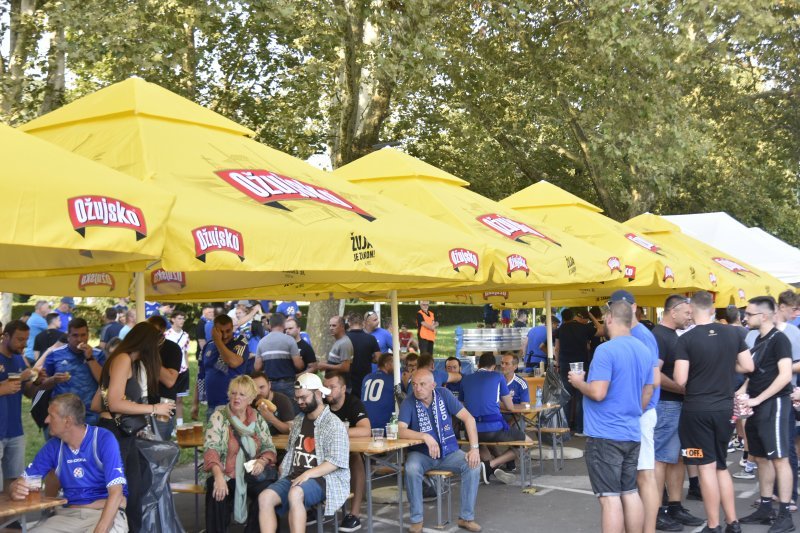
[
  {"x": 419, "y": 463},
  {"x": 12, "y": 458},
  {"x": 667, "y": 442}
]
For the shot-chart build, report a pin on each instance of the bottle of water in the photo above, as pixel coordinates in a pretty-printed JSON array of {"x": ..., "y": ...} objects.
[
  {"x": 538, "y": 396},
  {"x": 392, "y": 428}
]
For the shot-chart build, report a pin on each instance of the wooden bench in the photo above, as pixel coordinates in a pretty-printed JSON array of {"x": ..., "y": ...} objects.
[
  {"x": 442, "y": 481},
  {"x": 186, "y": 488},
  {"x": 558, "y": 445},
  {"x": 522, "y": 447}
]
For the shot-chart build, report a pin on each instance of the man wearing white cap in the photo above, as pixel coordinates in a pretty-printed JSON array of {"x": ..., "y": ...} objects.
[{"x": 316, "y": 466}]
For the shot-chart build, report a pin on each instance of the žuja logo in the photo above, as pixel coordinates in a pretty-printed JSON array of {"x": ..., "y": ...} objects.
[
  {"x": 270, "y": 188},
  {"x": 96, "y": 279},
  {"x": 512, "y": 229},
  {"x": 217, "y": 239},
  {"x": 103, "y": 211}
]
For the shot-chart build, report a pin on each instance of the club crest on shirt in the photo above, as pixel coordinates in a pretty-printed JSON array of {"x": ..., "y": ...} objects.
[
  {"x": 511, "y": 228},
  {"x": 105, "y": 212},
  {"x": 217, "y": 239},
  {"x": 77, "y": 473},
  {"x": 96, "y": 279},
  {"x": 270, "y": 188}
]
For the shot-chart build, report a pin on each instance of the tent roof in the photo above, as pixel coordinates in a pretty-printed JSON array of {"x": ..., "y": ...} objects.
[{"x": 543, "y": 195}]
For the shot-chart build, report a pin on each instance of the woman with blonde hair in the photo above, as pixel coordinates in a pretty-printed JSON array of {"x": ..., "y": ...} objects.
[{"x": 237, "y": 434}]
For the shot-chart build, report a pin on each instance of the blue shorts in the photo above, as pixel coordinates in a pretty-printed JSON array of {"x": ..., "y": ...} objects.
[
  {"x": 667, "y": 440},
  {"x": 312, "y": 493}
]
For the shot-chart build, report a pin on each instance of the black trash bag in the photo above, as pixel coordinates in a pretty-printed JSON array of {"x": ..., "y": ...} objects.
[
  {"x": 554, "y": 392},
  {"x": 158, "y": 509}
]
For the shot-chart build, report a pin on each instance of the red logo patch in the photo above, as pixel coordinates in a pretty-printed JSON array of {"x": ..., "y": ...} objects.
[
  {"x": 742, "y": 295},
  {"x": 614, "y": 264},
  {"x": 490, "y": 294},
  {"x": 511, "y": 228},
  {"x": 517, "y": 263},
  {"x": 96, "y": 279},
  {"x": 712, "y": 278},
  {"x": 269, "y": 188},
  {"x": 106, "y": 212},
  {"x": 733, "y": 266},
  {"x": 217, "y": 239},
  {"x": 644, "y": 243},
  {"x": 668, "y": 274},
  {"x": 461, "y": 257},
  {"x": 161, "y": 277},
  {"x": 630, "y": 272}
]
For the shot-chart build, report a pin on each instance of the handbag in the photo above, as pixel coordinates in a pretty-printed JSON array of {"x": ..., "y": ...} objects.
[
  {"x": 131, "y": 424},
  {"x": 267, "y": 476}
]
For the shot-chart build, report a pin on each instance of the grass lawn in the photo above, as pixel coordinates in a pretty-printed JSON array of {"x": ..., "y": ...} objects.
[{"x": 444, "y": 347}]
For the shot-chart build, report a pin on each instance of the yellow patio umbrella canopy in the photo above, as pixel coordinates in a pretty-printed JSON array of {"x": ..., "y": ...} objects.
[
  {"x": 61, "y": 213},
  {"x": 523, "y": 255},
  {"x": 247, "y": 215},
  {"x": 734, "y": 282}
]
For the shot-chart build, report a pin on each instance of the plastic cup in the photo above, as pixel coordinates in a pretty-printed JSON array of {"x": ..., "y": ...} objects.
[
  {"x": 14, "y": 376},
  {"x": 377, "y": 438},
  {"x": 576, "y": 367},
  {"x": 185, "y": 433},
  {"x": 162, "y": 418},
  {"x": 197, "y": 431},
  {"x": 34, "y": 484}
]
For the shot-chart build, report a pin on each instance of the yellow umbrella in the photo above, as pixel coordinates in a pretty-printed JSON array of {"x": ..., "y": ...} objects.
[
  {"x": 247, "y": 215},
  {"x": 523, "y": 254},
  {"x": 734, "y": 282},
  {"x": 61, "y": 213}
]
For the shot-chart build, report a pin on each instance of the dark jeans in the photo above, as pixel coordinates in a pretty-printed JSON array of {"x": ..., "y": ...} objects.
[
  {"x": 425, "y": 346},
  {"x": 574, "y": 408},
  {"x": 219, "y": 514},
  {"x": 133, "y": 473}
]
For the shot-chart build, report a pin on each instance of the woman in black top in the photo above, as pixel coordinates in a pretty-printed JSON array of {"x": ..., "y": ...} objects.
[{"x": 134, "y": 365}]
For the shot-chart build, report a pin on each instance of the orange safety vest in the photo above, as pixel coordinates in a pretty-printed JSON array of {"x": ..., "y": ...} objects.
[{"x": 425, "y": 333}]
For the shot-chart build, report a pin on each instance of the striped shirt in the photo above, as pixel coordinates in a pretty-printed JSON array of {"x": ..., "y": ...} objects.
[{"x": 518, "y": 388}]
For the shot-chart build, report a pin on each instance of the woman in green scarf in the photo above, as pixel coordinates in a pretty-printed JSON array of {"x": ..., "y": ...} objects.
[{"x": 236, "y": 434}]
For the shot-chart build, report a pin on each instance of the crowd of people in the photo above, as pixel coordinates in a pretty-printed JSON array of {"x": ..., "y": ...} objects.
[{"x": 656, "y": 401}]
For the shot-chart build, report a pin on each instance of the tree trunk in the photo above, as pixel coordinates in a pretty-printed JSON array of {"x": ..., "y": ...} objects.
[
  {"x": 20, "y": 44},
  {"x": 6, "y": 299},
  {"x": 56, "y": 66},
  {"x": 189, "y": 60},
  {"x": 319, "y": 313}
]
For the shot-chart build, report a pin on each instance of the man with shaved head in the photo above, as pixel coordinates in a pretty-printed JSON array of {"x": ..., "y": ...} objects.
[{"x": 427, "y": 414}]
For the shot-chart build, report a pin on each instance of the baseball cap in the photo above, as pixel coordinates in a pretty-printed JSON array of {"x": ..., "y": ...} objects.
[
  {"x": 309, "y": 381},
  {"x": 68, "y": 300},
  {"x": 245, "y": 303},
  {"x": 621, "y": 296}
]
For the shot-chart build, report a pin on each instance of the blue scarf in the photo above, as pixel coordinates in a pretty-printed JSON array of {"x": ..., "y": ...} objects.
[{"x": 443, "y": 432}]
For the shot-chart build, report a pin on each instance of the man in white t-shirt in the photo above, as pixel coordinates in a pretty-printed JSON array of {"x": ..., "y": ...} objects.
[{"x": 177, "y": 335}]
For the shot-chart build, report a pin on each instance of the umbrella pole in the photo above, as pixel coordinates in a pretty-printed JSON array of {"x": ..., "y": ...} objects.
[
  {"x": 138, "y": 294},
  {"x": 395, "y": 337},
  {"x": 548, "y": 310}
]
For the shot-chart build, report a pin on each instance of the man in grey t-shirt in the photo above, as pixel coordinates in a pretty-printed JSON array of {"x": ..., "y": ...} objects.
[
  {"x": 341, "y": 353},
  {"x": 279, "y": 357}
]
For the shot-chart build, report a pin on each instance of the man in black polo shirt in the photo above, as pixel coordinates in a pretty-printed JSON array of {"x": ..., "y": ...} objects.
[
  {"x": 572, "y": 346},
  {"x": 306, "y": 351},
  {"x": 767, "y": 430},
  {"x": 365, "y": 352},
  {"x": 350, "y": 410}
]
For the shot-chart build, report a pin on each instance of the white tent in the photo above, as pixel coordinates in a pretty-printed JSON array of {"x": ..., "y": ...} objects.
[{"x": 751, "y": 245}]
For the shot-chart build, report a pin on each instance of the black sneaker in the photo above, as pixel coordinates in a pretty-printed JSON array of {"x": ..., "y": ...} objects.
[
  {"x": 665, "y": 523},
  {"x": 428, "y": 492},
  {"x": 694, "y": 494},
  {"x": 486, "y": 472},
  {"x": 759, "y": 516},
  {"x": 510, "y": 466},
  {"x": 350, "y": 523},
  {"x": 782, "y": 524},
  {"x": 684, "y": 517},
  {"x": 707, "y": 529},
  {"x": 733, "y": 527}
]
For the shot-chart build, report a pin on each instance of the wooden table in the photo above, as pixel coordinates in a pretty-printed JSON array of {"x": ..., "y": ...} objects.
[
  {"x": 11, "y": 509},
  {"x": 364, "y": 446}
]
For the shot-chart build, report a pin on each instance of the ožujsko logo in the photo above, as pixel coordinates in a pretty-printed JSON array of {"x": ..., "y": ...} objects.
[
  {"x": 517, "y": 263},
  {"x": 162, "y": 277},
  {"x": 668, "y": 274},
  {"x": 630, "y": 272},
  {"x": 512, "y": 229},
  {"x": 495, "y": 294},
  {"x": 733, "y": 266},
  {"x": 269, "y": 188},
  {"x": 614, "y": 264},
  {"x": 461, "y": 257},
  {"x": 96, "y": 279},
  {"x": 644, "y": 243},
  {"x": 217, "y": 239},
  {"x": 106, "y": 212},
  {"x": 742, "y": 295},
  {"x": 712, "y": 278}
]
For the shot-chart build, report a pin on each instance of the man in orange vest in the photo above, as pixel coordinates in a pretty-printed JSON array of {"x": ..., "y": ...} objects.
[{"x": 426, "y": 328}]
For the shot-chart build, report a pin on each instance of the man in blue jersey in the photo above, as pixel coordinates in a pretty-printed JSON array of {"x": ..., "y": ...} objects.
[
  {"x": 372, "y": 325},
  {"x": 377, "y": 392},
  {"x": 279, "y": 357},
  {"x": 534, "y": 345},
  {"x": 289, "y": 309},
  {"x": 646, "y": 476},
  {"x": 37, "y": 324},
  {"x": 517, "y": 386},
  {"x": 453, "y": 366},
  {"x": 76, "y": 367},
  {"x": 441, "y": 377},
  {"x": 224, "y": 358},
  {"x": 88, "y": 465},
  {"x": 483, "y": 392},
  {"x": 427, "y": 415},
  {"x": 12, "y": 437},
  {"x": 618, "y": 386},
  {"x": 64, "y": 310}
]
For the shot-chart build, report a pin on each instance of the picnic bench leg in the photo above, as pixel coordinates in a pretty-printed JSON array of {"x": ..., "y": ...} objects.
[
  {"x": 400, "y": 485},
  {"x": 23, "y": 522},
  {"x": 196, "y": 496},
  {"x": 368, "y": 468}
]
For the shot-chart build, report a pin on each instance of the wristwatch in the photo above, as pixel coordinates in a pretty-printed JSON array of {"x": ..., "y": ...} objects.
[{"x": 474, "y": 446}]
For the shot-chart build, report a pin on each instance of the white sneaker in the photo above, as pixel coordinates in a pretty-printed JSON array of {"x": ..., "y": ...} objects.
[
  {"x": 505, "y": 477},
  {"x": 742, "y": 462}
]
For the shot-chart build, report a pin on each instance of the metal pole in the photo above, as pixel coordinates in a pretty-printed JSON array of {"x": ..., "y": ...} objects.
[
  {"x": 138, "y": 293},
  {"x": 549, "y": 314},
  {"x": 395, "y": 337}
]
